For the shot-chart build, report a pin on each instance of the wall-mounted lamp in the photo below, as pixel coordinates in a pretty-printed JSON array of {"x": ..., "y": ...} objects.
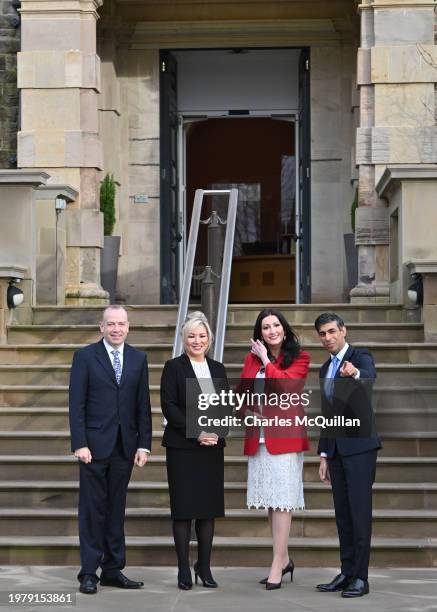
[
  {"x": 60, "y": 204},
  {"x": 14, "y": 296},
  {"x": 415, "y": 290}
]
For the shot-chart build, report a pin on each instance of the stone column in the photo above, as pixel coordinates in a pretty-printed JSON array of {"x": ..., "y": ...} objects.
[
  {"x": 59, "y": 78},
  {"x": 18, "y": 240},
  {"x": 428, "y": 271},
  {"x": 51, "y": 242},
  {"x": 3, "y": 310},
  {"x": 396, "y": 121}
]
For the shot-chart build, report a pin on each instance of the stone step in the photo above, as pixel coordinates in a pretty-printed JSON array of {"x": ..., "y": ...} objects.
[
  {"x": 160, "y": 314},
  {"x": 237, "y": 313},
  {"x": 395, "y": 444},
  {"x": 51, "y": 467},
  {"x": 235, "y": 352},
  {"x": 34, "y": 440},
  {"x": 149, "y": 333},
  {"x": 143, "y": 494},
  {"x": 48, "y": 386},
  {"x": 419, "y": 412},
  {"x": 238, "y": 523},
  {"x": 244, "y": 551}
]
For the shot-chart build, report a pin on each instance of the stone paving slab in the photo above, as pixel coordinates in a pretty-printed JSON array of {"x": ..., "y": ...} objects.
[{"x": 400, "y": 590}]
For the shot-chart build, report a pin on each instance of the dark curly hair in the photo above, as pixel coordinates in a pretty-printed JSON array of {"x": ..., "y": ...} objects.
[{"x": 290, "y": 347}]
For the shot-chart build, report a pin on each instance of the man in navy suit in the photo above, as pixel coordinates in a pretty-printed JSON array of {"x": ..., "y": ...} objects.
[
  {"x": 111, "y": 430},
  {"x": 348, "y": 461}
]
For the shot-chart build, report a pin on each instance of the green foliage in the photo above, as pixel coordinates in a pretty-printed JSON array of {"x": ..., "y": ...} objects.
[
  {"x": 107, "y": 203},
  {"x": 353, "y": 210}
]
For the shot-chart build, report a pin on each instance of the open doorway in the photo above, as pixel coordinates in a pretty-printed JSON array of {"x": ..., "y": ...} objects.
[
  {"x": 239, "y": 118},
  {"x": 256, "y": 155}
]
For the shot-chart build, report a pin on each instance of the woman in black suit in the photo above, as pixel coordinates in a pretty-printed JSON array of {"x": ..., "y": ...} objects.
[{"x": 195, "y": 465}]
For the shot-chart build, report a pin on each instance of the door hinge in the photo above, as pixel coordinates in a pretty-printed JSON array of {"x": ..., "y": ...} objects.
[
  {"x": 163, "y": 66},
  {"x": 308, "y": 173},
  {"x": 307, "y": 64}
]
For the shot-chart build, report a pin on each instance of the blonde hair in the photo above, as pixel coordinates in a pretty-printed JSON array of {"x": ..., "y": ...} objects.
[{"x": 193, "y": 320}]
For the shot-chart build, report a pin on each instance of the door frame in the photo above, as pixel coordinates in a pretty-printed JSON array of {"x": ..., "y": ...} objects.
[
  {"x": 189, "y": 118},
  {"x": 299, "y": 117}
]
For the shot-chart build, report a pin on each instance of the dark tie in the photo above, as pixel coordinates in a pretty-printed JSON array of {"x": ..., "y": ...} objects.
[{"x": 116, "y": 364}]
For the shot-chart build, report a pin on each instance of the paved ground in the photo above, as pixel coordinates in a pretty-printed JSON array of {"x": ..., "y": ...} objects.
[{"x": 400, "y": 590}]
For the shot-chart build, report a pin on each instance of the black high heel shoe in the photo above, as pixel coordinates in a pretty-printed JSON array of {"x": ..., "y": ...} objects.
[
  {"x": 206, "y": 578},
  {"x": 185, "y": 582},
  {"x": 286, "y": 570}
]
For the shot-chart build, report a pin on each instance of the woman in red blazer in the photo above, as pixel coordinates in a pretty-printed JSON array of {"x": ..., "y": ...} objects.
[{"x": 275, "y": 464}]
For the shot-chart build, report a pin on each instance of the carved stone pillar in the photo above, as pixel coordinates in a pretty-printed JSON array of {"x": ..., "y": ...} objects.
[
  {"x": 18, "y": 190},
  {"x": 396, "y": 121},
  {"x": 59, "y": 78}
]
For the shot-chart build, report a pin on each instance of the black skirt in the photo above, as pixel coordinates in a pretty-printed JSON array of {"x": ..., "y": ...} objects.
[{"x": 196, "y": 482}]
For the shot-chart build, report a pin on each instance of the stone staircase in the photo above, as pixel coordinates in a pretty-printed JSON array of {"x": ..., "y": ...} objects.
[{"x": 38, "y": 475}]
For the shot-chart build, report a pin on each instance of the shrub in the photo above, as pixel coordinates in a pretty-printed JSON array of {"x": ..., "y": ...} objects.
[{"x": 107, "y": 203}]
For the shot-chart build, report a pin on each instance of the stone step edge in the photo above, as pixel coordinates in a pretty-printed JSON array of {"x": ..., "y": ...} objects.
[
  {"x": 241, "y": 460},
  {"x": 376, "y": 389},
  {"x": 156, "y": 410},
  {"x": 166, "y": 326},
  {"x": 259, "y": 306},
  {"x": 140, "y": 485},
  {"x": 219, "y": 542},
  {"x": 407, "y": 435},
  {"x": 230, "y": 513},
  {"x": 381, "y": 368},
  {"x": 234, "y": 345},
  {"x": 426, "y": 367}
]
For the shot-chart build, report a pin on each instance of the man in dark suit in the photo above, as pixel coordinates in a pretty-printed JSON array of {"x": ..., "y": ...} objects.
[
  {"x": 111, "y": 429},
  {"x": 348, "y": 461}
]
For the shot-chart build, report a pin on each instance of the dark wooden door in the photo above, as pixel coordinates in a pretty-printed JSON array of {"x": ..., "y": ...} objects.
[
  {"x": 305, "y": 176},
  {"x": 169, "y": 221}
]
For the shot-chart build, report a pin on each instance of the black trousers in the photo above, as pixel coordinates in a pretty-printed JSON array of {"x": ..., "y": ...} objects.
[
  {"x": 102, "y": 506},
  {"x": 352, "y": 478}
]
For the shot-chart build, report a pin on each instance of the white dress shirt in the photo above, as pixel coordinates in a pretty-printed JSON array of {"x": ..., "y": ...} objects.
[
  {"x": 340, "y": 356},
  {"x": 120, "y": 350}
]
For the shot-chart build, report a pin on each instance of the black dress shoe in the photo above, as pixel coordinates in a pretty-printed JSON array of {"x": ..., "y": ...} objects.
[
  {"x": 339, "y": 583},
  {"x": 121, "y": 581},
  {"x": 288, "y": 568},
  {"x": 356, "y": 588},
  {"x": 88, "y": 584}
]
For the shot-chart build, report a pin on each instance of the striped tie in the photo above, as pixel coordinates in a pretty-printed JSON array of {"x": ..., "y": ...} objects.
[{"x": 117, "y": 366}]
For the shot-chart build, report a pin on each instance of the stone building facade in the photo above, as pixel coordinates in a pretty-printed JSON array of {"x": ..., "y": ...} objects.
[{"x": 90, "y": 81}]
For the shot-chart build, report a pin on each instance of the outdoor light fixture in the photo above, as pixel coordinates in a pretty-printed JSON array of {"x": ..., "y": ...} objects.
[
  {"x": 415, "y": 290},
  {"x": 60, "y": 204},
  {"x": 15, "y": 296}
]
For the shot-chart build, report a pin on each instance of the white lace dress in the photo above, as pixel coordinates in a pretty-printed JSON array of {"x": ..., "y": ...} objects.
[{"x": 275, "y": 481}]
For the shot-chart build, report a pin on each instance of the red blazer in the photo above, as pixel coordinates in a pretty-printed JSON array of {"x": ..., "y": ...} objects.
[{"x": 275, "y": 443}]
